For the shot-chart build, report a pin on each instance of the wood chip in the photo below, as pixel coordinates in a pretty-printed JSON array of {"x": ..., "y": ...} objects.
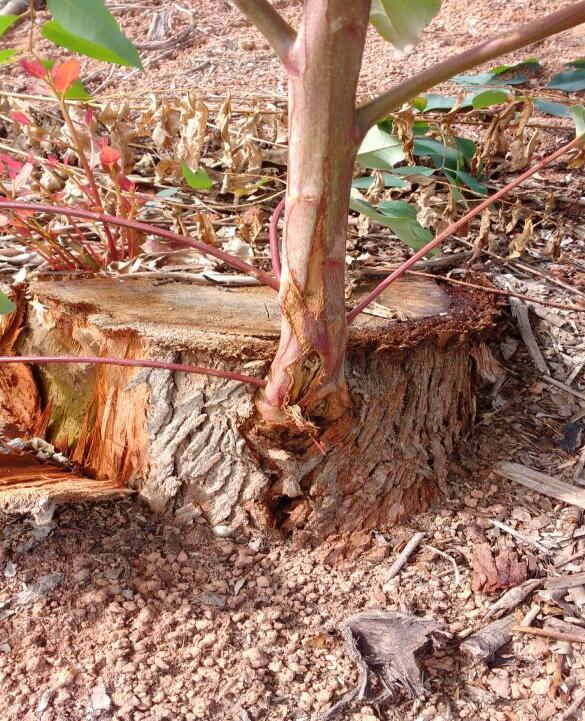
[
  {"x": 485, "y": 643},
  {"x": 569, "y": 581},
  {"x": 542, "y": 483},
  {"x": 491, "y": 573}
]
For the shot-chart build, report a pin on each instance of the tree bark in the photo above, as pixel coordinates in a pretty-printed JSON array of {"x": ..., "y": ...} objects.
[
  {"x": 182, "y": 439},
  {"x": 308, "y": 370}
]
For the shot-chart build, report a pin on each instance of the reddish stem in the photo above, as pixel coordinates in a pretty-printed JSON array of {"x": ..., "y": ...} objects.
[
  {"x": 241, "y": 265},
  {"x": 139, "y": 363},
  {"x": 273, "y": 237},
  {"x": 454, "y": 227}
]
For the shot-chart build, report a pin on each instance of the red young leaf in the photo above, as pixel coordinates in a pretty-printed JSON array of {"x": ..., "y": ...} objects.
[
  {"x": 64, "y": 75},
  {"x": 21, "y": 118},
  {"x": 124, "y": 182},
  {"x": 34, "y": 68},
  {"x": 14, "y": 166},
  {"x": 88, "y": 117},
  {"x": 109, "y": 156}
]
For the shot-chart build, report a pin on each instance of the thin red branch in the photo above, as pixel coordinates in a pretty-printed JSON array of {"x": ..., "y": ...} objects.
[
  {"x": 377, "y": 109},
  {"x": 241, "y": 265},
  {"x": 138, "y": 363},
  {"x": 454, "y": 227},
  {"x": 273, "y": 237}
]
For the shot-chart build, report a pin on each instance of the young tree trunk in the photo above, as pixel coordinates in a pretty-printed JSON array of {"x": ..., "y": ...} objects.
[{"x": 308, "y": 370}]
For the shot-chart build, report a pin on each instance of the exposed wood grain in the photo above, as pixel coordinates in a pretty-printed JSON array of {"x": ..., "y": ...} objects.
[{"x": 542, "y": 483}]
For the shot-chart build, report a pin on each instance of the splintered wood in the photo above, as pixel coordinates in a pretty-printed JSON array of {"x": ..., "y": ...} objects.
[
  {"x": 542, "y": 483},
  {"x": 26, "y": 484}
]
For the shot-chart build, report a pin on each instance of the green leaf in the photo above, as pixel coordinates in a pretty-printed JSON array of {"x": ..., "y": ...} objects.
[
  {"x": 487, "y": 98},
  {"x": 432, "y": 101},
  {"x": 492, "y": 76},
  {"x": 569, "y": 81},
  {"x": 578, "y": 114},
  {"x": 198, "y": 179},
  {"x": 6, "y": 21},
  {"x": 5, "y": 55},
  {"x": 441, "y": 155},
  {"x": 380, "y": 150},
  {"x": 401, "y": 21},
  {"x": 479, "y": 79},
  {"x": 77, "y": 90},
  {"x": 466, "y": 146},
  {"x": 398, "y": 215},
  {"x": 462, "y": 177},
  {"x": 550, "y": 108},
  {"x": 390, "y": 181},
  {"x": 528, "y": 63},
  {"x": 88, "y": 27},
  {"x": 6, "y": 305}
]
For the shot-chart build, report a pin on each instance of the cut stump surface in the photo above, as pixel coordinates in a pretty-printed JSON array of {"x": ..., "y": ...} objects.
[{"x": 180, "y": 438}]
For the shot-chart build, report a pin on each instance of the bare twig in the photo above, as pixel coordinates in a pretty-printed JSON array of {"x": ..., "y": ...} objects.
[
  {"x": 513, "y": 597},
  {"x": 564, "y": 387},
  {"x": 550, "y": 633},
  {"x": 451, "y": 560},
  {"x": 542, "y": 483},
  {"x": 377, "y": 109},
  {"x": 454, "y": 227},
  {"x": 520, "y": 313},
  {"x": 521, "y": 537},
  {"x": 405, "y": 554},
  {"x": 573, "y": 708}
]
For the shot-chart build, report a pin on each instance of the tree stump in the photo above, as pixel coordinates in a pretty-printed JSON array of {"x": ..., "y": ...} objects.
[{"x": 179, "y": 438}]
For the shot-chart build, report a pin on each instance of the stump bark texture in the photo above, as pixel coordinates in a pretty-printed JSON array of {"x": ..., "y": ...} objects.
[{"x": 179, "y": 439}]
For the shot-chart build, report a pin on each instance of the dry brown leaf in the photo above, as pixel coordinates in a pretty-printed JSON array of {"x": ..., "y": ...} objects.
[
  {"x": 496, "y": 142},
  {"x": 521, "y": 151},
  {"x": 517, "y": 211},
  {"x": 484, "y": 231},
  {"x": 167, "y": 125},
  {"x": 518, "y": 244},
  {"x": 376, "y": 189},
  {"x": 168, "y": 170},
  {"x": 194, "y": 115},
  {"x": 493, "y": 574},
  {"x": 552, "y": 249},
  {"x": 222, "y": 121},
  {"x": 205, "y": 232},
  {"x": 403, "y": 122}
]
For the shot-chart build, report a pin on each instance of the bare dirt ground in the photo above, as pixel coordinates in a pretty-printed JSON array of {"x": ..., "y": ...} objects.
[{"x": 150, "y": 618}]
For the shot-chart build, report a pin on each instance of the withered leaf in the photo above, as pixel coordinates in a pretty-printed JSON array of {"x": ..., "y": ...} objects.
[
  {"x": 518, "y": 244},
  {"x": 194, "y": 114}
]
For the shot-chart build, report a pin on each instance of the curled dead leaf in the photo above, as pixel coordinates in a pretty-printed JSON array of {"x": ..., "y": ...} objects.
[
  {"x": 194, "y": 115},
  {"x": 518, "y": 244}
]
